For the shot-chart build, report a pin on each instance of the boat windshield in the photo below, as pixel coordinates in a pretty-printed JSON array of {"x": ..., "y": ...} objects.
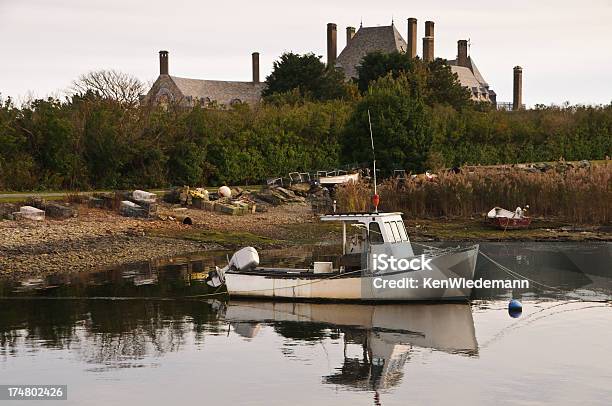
[{"x": 375, "y": 235}]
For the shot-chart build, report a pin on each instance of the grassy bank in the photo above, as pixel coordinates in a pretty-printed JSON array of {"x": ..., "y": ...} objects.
[
  {"x": 234, "y": 239},
  {"x": 14, "y": 197}
]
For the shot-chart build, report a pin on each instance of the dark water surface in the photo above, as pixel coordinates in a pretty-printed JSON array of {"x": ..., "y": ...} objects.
[{"x": 144, "y": 334}]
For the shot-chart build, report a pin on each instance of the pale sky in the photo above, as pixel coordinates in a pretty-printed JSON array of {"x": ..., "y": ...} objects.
[{"x": 564, "y": 46}]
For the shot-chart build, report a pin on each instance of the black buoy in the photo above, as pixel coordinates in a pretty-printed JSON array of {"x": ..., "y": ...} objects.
[{"x": 515, "y": 308}]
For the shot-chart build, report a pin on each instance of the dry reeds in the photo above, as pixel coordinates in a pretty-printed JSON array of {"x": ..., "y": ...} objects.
[
  {"x": 581, "y": 196},
  {"x": 75, "y": 197}
]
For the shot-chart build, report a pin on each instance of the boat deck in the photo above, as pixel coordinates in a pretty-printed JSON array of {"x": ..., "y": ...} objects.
[{"x": 292, "y": 273}]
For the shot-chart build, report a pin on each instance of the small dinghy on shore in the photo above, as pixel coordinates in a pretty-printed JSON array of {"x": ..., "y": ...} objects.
[
  {"x": 508, "y": 220},
  {"x": 339, "y": 179}
]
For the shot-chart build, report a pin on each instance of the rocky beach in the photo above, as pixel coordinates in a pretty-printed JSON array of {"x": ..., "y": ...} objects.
[{"x": 98, "y": 238}]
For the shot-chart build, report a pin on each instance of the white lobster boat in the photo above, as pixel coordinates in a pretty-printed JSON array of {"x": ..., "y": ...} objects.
[
  {"x": 353, "y": 278},
  {"x": 356, "y": 276}
]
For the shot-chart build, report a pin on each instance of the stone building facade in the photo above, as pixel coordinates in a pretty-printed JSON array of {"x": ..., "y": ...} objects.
[{"x": 189, "y": 92}]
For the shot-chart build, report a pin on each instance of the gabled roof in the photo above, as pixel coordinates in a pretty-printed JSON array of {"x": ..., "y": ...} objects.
[
  {"x": 473, "y": 69},
  {"x": 470, "y": 77},
  {"x": 223, "y": 92},
  {"x": 369, "y": 39},
  {"x": 476, "y": 72},
  {"x": 466, "y": 77}
]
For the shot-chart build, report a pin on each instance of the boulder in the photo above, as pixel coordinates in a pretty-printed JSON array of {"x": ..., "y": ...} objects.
[
  {"x": 53, "y": 210},
  {"x": 104, "y": 201},
  {"x": 31, "y": 213},
  {"x": 143, "y": 196},
  {"x": 131, "y": 209},
  {"x": 59, "y": 211},
  {"x": 7, "y": 210},
  {"x": 173, "y": 196}
]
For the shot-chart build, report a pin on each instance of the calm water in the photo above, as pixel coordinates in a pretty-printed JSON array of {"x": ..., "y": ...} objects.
[{"x": 140, "y": 335}]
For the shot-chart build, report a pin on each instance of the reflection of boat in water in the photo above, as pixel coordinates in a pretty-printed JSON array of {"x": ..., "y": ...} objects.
[{"x": 386, "y": 333}]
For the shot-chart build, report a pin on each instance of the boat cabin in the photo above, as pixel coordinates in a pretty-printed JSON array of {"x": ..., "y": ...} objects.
[{"x": 371, "y": 233}]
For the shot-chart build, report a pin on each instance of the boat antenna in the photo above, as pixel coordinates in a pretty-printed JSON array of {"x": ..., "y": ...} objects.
[{"x": 375, "y": 198}]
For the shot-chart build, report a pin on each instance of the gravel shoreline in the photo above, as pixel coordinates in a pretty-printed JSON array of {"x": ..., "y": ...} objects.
[
  {"x": 99, "y": 239},
  {"x": 40, "y": 249}
]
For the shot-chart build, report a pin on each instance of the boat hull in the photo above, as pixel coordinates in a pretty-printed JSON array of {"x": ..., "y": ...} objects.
[
  {"x": 361, "y": 287},
  {"x": 507, "y": 223}
]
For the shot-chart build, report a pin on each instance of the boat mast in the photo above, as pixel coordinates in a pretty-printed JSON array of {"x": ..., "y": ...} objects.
[{"x": 375, "y": 197}]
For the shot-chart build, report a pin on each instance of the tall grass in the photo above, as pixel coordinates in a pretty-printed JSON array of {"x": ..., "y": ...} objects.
[{"x": 582, "y": 196}]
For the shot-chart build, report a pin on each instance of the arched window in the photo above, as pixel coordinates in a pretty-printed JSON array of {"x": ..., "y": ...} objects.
[
  {"x": 164, "y": 96},
  {"x": 235, "y": 102}
]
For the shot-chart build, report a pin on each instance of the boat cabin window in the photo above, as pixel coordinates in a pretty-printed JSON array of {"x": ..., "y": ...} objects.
[
  {"x": 375, "y": 234},
  {"x": 388, "y": 232},
  {"x": 402, "y": 230},
  {"x": 396, "y": 232}
]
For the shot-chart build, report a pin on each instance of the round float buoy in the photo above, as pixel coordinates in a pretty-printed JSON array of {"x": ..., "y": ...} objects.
[
  {"x": 224, "y": 191},
  {"x": 515, "y": 308}
]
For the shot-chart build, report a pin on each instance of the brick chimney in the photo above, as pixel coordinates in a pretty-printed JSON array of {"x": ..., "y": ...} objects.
[
  {"x": 429, "y": 29},
  {"x": 412, "y": 37},
  {"x": 350, "y": 33},
  {"x": 331, "y": 44},
  {"x": 163, "y": 62},
  {"x": 428, "y": 49},
  {"x": 517, "y": 94},
  {"x": 255, "y": 66},
  {"x": 428, "y": 42},
  {"x": 462, "y": 53}
]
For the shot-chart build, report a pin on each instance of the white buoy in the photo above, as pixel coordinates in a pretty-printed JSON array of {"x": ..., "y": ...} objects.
[{"x": 224, "y": 191}]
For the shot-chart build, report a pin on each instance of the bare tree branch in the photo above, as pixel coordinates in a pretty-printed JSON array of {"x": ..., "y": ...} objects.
[{"x": 110, "y": 84}]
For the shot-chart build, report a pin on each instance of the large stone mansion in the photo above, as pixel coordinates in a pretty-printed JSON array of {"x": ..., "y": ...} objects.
[{"x": 188, "y": 92}]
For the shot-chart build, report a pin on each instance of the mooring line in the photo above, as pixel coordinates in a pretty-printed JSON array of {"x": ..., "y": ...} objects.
[
  {"x": 514, "y": 273},
  {"x": 500, "y": 266}
]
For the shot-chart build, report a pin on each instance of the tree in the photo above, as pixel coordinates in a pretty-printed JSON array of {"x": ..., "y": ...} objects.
[
  {"x": 378, "y": 64},
  {"x": 400, "y": 124},
  {"x": 110, "y": 84},
  {"x": 17, "y": 167},
  {"x": 308, "y": 75},
  {"x": 440, "y": 84},
  {"x": 50, "y": 138},
  {"x": 444, "y": 87}
]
